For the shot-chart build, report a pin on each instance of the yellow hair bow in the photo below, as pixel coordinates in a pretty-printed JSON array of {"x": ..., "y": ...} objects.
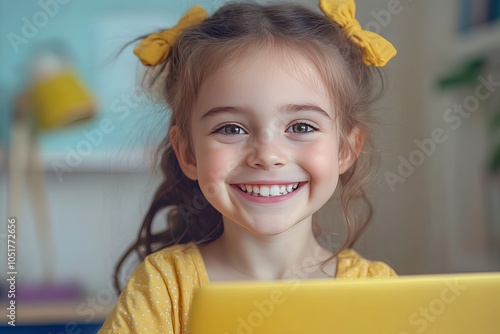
[
  {"x": 154, "y": 48},
  {"x": 377, "y": 51}
]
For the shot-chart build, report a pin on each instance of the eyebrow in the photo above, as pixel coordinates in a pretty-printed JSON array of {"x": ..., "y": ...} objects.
[
  {"x": 294, "y": 108},
  {"x": 288, "y": 108}
]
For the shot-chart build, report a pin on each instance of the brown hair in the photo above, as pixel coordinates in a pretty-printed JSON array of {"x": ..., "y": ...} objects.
[{"x": 232, "y": 31}]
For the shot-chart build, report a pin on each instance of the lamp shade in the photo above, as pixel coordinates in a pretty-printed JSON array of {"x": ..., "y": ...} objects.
[
  {"x": 57, "y": 95},
  {"x": 61, "y": 99}
]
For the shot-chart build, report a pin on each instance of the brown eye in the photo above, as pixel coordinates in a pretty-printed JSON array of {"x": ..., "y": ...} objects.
[
  {"x": 300, "y": 128},
  {"x": 231, "y": 129}
]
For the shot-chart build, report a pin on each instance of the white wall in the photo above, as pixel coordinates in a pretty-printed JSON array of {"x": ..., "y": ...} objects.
[
  {"x": 94, "y": 216},
  {"x": 435, "y": 221},
  {"x": 401, "y": 225}
]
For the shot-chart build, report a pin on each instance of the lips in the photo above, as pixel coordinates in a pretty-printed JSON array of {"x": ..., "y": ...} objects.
[{"x": 271, "y": 190}]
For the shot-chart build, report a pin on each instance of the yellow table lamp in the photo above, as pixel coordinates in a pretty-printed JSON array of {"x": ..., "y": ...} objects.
[{"x": 53, "y": 98}]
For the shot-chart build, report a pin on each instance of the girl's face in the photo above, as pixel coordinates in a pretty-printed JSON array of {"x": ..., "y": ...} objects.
[{"x": 265, "y": 145}]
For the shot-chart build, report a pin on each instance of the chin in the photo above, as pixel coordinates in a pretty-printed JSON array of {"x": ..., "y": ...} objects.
[{"x": 269, "y": 228}]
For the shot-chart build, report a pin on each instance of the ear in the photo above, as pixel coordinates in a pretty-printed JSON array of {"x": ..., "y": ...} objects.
[
  {"x": 351, "y": 149},
  {"x": 185, "y": 157}
]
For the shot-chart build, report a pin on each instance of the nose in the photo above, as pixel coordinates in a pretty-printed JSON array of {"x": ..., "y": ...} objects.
[{"x": 267, "y": 153}]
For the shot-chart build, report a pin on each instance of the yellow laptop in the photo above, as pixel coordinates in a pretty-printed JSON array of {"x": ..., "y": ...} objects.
[{"x": 437, "y": 304}]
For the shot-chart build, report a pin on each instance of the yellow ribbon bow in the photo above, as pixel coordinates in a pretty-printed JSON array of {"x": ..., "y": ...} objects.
[
  {"x": 377, "y": 51},
  {"x": 154, "y": 48}
]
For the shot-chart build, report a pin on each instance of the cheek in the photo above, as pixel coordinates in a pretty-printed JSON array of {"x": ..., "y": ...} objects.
[
  {"x": 211, "y": 168},
  {"x": 321, "y": 162},
  {"x": 216, "y": 162}
]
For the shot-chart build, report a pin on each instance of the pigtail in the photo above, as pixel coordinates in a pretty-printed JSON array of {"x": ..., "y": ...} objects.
[
  {"x": 189, "y": 217},
  {"x": 350, "y": 192}
]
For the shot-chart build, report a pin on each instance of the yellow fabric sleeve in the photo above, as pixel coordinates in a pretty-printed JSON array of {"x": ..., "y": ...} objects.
[
  {"x": 351, "y": 265},
  {"x": 158, "y": 294}
]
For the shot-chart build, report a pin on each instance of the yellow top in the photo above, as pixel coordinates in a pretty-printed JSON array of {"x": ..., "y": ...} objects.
[{"x": 158, "y": 294}]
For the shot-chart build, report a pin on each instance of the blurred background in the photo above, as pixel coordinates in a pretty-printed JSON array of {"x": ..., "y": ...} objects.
[{"x": 77, "y": 136}]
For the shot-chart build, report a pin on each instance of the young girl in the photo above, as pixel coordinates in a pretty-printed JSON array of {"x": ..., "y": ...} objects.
[{"x": 269, "y": 115}]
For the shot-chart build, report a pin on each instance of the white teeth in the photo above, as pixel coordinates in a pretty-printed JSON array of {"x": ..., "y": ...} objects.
[
  {"x": 268, "y": 191},
  {"x": 275, "y": 191},
  {"x": 264, "y": 191}
]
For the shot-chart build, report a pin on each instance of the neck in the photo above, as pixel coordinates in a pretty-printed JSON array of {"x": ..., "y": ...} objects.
[{"x": 293, "y": 254}]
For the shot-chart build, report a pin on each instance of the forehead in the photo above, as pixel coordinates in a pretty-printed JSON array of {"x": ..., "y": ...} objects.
[{"x": 264, "y": 76}]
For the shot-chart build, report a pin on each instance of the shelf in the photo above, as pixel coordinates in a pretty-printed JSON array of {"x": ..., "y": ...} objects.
[
  {"x": 59, "y": 162},
  {"x": 479, "y": 40},
  {"x": 58, "y": 312},
  {"x": 134, "y": 161}
]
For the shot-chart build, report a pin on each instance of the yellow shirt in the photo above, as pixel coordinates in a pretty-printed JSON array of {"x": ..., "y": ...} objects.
[{"x": 158, "y": 294}]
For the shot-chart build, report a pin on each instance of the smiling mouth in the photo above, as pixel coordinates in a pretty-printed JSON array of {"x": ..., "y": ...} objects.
[{"x": 268, "y": 190}]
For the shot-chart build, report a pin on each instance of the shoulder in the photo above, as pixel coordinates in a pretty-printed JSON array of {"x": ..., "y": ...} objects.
[
  {"x": 352, "y": 265},
  {"x": 175, "y": 265},
  {"x": 185, "y": 259},
  {"x": 158, "y": 293}
]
